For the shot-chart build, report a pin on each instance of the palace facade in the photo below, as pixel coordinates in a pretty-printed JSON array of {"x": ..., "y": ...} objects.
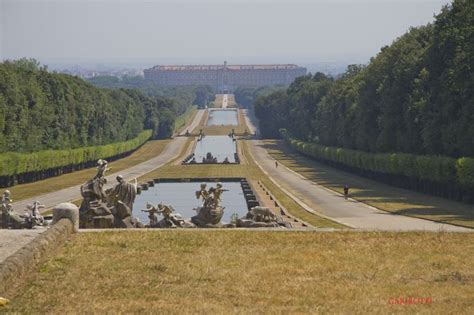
[{"x": 224, "y": 77}]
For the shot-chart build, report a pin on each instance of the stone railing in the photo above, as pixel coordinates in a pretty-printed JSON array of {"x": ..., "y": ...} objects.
[{"x": 15, "y": 269}]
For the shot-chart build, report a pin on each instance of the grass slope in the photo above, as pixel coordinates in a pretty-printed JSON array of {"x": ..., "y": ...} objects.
[{"x": 254, "y": 272}]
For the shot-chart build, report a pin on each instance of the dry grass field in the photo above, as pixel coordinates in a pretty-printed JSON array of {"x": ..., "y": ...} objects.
[
  {"x": 217, "y": 272},
  {"x": 384, "y": 197}
]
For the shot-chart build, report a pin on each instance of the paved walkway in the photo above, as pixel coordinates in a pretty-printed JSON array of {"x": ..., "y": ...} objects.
[
  {"x": 73, "y": 193},
  {"x": 333, "y": 205}
]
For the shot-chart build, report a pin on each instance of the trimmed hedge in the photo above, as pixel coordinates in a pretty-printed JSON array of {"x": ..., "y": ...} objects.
[
  {"x": 14, "y": 164},
  {"x": 439, "y": 175}
]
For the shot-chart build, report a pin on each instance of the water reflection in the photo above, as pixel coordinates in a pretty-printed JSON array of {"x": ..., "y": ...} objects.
[
  {"x": 221, "y": 147},
  {"x": 182, "y": 197},
  {"x": 222, "y": 117}
]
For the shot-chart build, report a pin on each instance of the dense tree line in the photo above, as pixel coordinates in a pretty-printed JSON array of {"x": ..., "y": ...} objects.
[
  {"x": 43, "y": 110},
  {"x": 406, "y": 118},
  {"x": 245, "y": 96},
  {"x": 415, "y": 96},
  {"x": 182, "y": 96}
]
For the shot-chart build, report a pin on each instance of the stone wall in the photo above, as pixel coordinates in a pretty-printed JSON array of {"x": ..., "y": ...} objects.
[{"x": 15, "y": 268}]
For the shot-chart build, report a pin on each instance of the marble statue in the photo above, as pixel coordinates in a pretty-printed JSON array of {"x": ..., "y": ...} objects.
[
  {"x": 125, "y": 192},
  {"x": 34, "y": 216},
  {"x": 261, "y": 217},
  {"x": 110, "y": 208},
  {"x": 6, "y": 208},
  {"x": 152, "y": 211},
  {"x": 12, "y": 219},
  {"x": 99, "y": 179},
  {"x": 211, "y": 211},
  {"x": 171, "y": 219},
  {"x": 217, "y": 193},
  {"x": 262, "y": 214},
  {"x": 203, "y": 194}
]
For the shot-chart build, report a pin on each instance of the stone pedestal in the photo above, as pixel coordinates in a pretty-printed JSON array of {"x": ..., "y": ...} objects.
[{"x": 69, "y": 211}]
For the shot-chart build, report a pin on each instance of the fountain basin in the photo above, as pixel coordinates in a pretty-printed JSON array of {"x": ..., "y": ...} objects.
[
  {"x": 181, "y": 195},
  {"x": 226, "y": 117}
]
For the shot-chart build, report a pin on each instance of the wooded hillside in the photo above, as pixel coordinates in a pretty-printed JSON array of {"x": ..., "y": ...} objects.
[
  {"x": 40, "y": 110},
  {"x": 415, "y": 96}
]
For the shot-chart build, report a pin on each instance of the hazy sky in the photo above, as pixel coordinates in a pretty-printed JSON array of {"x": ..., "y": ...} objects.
[{"x": 204, "y": 31}]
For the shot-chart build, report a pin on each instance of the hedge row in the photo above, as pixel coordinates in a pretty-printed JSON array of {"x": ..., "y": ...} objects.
[
  {"x": 12, "y": 163},
  {"x": 434, "y": 169}
]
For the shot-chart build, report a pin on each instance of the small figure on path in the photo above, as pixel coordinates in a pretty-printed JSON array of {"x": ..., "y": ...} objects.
[
  {"x": 346, "y": 191},
  {"x": 276, "y": 164}
]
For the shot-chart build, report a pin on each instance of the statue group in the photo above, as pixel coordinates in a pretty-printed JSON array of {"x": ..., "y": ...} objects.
[
  {"x": 107, "y": 208},
  {"x": 210, "y": 213},
  {"x": 171, "y": 219},
  {"x": 209, "y": 159},
  {"x": 112, "y": 207},
  {"x": 12, "y": 219}
]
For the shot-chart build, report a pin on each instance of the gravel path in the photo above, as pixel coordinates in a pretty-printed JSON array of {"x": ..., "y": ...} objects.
[{"x": 330, "y": 204}]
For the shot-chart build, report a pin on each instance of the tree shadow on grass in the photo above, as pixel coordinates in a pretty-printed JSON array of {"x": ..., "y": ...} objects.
[{"x": 385, "y": 197}]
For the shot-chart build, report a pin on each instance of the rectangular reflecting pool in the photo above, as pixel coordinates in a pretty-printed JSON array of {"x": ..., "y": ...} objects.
[
  {"x": 182, "y": 196},
  {"x": 218, "y": 117},
  {"x": 221, "y": 147}
]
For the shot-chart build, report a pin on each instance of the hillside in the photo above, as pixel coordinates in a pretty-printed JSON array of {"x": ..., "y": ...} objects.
[
  {"x": 415, "y": 96},
  {"x": 42, "y": 110}
]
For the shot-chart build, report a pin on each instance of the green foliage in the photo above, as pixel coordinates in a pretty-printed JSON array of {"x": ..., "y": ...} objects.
[
  {"x": 414, "y": 97},
  {"x": 246, "y": 96},
  {"x": 13, "y": 163},
  {"x": 465, "y": 172},
  {"x": 437, "y": 169},
  {"x": 42, "y": 110},
  {"x": 181, "y": 96},
  {"x": 204, "y": 95}
]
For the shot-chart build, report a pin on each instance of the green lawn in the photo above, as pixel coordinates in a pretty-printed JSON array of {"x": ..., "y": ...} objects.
[
  {"x": 221, "y": 272},
  {"x": 381, "y": 196}
]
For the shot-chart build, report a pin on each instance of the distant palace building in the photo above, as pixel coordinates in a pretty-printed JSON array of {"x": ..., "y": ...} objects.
[{"x": 225, "y": 77}]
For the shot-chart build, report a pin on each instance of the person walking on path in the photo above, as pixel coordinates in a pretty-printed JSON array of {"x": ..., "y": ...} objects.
[
  {"x": 346, "y": 191},
  {"x": 276, "y": 164}
]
